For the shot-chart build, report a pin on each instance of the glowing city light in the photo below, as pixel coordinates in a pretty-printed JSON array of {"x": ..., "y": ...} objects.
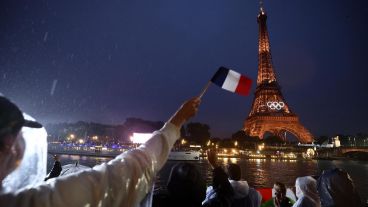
[
  {"x": 183, "y": 141},
  {"x": 139, "y": 138}
]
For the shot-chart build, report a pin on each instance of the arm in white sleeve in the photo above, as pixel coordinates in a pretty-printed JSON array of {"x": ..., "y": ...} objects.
[{"x": 124, "y": 181}]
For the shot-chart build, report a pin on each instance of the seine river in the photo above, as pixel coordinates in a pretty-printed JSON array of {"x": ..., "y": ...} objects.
[{"x": 258, "y": 172}]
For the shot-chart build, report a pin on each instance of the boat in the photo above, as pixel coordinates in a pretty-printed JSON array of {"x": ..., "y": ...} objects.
[{"x": 184, "y": 155}]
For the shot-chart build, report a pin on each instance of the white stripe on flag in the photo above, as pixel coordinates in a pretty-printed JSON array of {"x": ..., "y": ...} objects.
[{"x": 231, "y": 81}]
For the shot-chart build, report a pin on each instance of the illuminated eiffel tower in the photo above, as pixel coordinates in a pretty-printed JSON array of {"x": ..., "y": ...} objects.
[{"x": 270, "y": 112}]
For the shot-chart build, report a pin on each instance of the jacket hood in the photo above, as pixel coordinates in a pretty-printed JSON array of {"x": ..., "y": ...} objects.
[
  {"x": 306, "y": 188},
  {"x": 32, "y": 168},
  {"x": 241, "y": 188}
]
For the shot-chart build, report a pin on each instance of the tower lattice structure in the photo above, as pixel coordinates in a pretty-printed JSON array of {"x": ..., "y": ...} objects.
[{"x": 270, "y": 112}]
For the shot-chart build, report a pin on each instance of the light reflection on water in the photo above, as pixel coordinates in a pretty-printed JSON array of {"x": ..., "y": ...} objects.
[{"x": 258, "y": 172}]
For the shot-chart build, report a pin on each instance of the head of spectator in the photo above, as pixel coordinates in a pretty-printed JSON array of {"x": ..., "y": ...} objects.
[
  {"x": 186, "y": 185},
  {"x": 56, "y": 158},
  {"x": 280, "y": 190},
  {"x": 234, "y": 172},
  {"x": 306, "y": 192},
  {"x": 336, "y": 188}
]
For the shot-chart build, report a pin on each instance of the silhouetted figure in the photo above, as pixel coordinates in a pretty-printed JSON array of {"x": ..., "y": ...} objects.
[
  {"x": 220, "y": 194},
  {"x": 56, "y": 169},
  {"x": 186, "y": 187},
  {"x": 336, "y": 188},
  {"x": 280, "y": 199},
  {"x": 244, "y": 196}
]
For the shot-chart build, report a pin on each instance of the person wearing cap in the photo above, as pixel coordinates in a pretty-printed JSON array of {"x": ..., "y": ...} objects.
[
  {"x": 23, "y": 146},
  {"x": 123, "y": 181}
]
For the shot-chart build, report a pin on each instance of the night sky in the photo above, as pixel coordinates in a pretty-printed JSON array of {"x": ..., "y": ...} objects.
[{"x": 104, "y": 61}]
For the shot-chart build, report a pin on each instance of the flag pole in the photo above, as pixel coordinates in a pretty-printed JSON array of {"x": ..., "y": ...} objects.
[{"x": 204, "y": 90}]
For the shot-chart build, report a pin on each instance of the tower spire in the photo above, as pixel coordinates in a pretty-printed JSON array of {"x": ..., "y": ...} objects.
[
  {"x": 261, "y": 9},
  {"x": 265, "y": 68}
]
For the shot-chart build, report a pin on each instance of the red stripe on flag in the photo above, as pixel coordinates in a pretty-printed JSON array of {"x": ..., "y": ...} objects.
[
  {"x": 266, "y": 193},
  {"x": 244, "y": 86}
]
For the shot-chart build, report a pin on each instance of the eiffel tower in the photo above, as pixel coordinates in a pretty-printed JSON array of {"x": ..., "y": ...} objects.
[{"x": 270, "y": 112}]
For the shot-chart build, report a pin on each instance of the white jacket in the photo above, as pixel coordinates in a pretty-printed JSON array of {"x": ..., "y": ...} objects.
[{"x": 124, "y": 181}]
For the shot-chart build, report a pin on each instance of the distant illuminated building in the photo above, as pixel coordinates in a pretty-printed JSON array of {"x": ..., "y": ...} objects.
[
  {"x": 336, "y": 142},
  {"x": 139, "y": 138}
]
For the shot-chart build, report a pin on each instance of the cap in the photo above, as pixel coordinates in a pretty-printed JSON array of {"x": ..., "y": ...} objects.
[{"x": 12, "y": 119}]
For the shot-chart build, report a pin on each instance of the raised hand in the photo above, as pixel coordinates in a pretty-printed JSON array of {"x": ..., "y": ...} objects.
[{"x": 186, "y": 111}]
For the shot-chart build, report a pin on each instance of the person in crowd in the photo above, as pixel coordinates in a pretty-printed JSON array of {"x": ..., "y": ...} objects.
[
  {"x": 280, "y": 199},
  {"x": 306, "y": 192},
  {"x": 56, "y": 169},
  {"x": 124, "y": 181},
  {"x": 336, "y": 188},
  {"x": 243, "y": 194},
  {"x": 185, "y": 187},
  {"x": 220, "y": 194},
  {"x": 238, "y": 193}
]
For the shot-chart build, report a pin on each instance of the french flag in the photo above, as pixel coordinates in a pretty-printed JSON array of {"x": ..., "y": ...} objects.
[{"x": 232, "y": 81}]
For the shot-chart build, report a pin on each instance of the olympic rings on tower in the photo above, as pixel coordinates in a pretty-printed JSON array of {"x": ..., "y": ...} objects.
[{"x": 274, "y": 105}]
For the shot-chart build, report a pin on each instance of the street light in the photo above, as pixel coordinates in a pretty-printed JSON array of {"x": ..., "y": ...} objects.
[
  {"x": 183, "y": 141},
  {"x": 236, "y": 143}
]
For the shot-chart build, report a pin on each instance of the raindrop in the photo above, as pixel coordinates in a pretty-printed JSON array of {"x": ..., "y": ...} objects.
[
  {"x": 53, "y": 87},
  {"x": 45, "y": 36}
]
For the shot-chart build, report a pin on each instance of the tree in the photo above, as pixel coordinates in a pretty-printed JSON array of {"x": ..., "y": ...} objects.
[
  {"x": 198, "y": 132},
  {"x": 245, "y": 140},
  {"x": 271, "y": 140}
]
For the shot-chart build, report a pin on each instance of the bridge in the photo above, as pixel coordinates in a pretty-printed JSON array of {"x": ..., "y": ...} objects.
[
  {"x": 336, "y": 152},
  {"x": 344, "y": 150}
]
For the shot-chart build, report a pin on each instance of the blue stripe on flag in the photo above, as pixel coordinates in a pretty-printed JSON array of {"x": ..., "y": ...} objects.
[{"x": 220, "y": 76}]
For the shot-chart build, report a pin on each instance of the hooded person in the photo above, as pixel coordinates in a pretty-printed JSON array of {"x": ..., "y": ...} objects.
[
  {"x": 243, "y": 194},
  {"x": 220, "y": 194},
  {"x": 336, "y": 188},
  {"x": 124, "y": 181},
  {"x": 306, "y": 192},
  {"x": 228, "y": 189}
]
